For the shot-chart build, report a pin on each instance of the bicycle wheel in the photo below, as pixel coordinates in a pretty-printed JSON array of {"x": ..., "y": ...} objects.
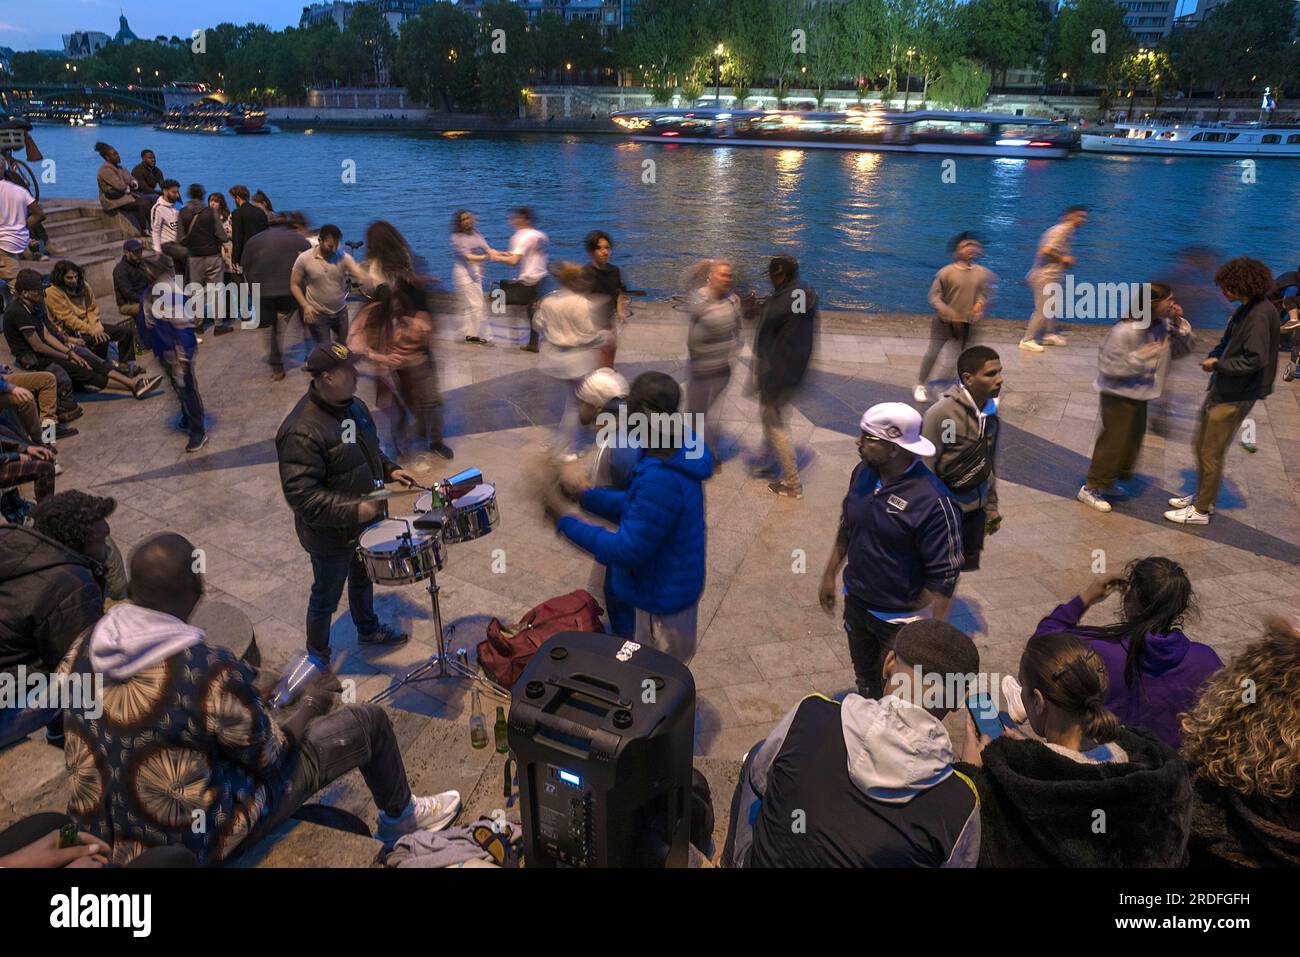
[{"x": 30, "y": 182}]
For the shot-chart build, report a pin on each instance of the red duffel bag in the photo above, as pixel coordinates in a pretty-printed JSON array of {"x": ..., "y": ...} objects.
[{"x": 506, "y": 651}]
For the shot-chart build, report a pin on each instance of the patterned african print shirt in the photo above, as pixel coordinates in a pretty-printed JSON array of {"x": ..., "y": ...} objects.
[{"x": 180, "y": 752}]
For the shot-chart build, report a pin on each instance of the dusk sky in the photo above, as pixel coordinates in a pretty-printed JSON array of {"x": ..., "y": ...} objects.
[{"x": 40, "y": 24}]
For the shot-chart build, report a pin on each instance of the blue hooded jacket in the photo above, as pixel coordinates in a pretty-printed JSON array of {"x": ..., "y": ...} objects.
[{"x": 657, "y": 556}]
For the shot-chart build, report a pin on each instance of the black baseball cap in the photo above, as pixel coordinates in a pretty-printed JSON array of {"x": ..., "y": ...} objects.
[{"x": 326, "y": 357}]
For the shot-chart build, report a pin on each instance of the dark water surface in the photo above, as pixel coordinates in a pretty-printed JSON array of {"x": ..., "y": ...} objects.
[{"x": 869, "y": 228}]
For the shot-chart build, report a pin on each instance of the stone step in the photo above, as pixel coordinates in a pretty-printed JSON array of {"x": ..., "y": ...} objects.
[
  {"x": 96, "y": 260},
  {"x": 72, "y": 244},
  {"x": 303, "y": 844}
]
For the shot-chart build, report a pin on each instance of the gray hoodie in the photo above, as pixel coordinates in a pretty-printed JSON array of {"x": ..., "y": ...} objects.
[
  {"x": 952, "y": 424},
  {"x": 897, "y": 753},
  {"x": 1122, "y": 371},
  {"x": 130, "y": 638}
]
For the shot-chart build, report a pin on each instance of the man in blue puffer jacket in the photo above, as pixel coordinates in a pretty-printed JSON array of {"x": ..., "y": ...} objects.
[{"x": 656, "y": 558}]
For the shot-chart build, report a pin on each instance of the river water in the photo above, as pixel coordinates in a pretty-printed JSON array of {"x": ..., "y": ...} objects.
[{"x": 868, "y": 228}]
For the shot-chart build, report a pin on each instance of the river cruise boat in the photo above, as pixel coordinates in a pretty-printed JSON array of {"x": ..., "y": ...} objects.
[
  {"x": 922, "y": 131},
  {"x": 1168, "y": 138},
  {"x": 211, "y": 117}
]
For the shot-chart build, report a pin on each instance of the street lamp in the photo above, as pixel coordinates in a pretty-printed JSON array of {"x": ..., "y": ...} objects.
[
  {"x": 907, "y": 97},
  {"x": 718, "y": 51}
]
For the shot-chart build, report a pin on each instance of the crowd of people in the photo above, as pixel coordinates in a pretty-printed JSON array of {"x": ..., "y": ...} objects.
[{"x": 1133, "y": 720}]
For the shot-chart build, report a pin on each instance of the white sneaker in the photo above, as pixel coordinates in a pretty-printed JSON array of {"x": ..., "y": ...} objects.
[
  {"x": 1054, "y": 340},
  {"x": 919, "y": 394},
  {"x": 1188, "y": 516},
  {"x": 427, "y": 814},
  {"x": 1181, "y": 501},
  {"x": 1029, "y": 345},
  {"x": 1093, "y": 500}
]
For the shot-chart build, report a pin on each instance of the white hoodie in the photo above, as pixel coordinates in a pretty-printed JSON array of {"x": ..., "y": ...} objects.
[{"x": 130, "y": 638}]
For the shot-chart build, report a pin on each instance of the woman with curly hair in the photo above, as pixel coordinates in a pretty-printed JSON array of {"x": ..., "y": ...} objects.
[
  {"x": 1242, "y": 745},
  {"x": 1154, "y": 670},
  {"x": 1242, "y": 369},
  {"x": 1088, "y": 792}
]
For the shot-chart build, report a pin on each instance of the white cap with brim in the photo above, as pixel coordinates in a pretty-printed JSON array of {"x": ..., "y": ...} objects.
[
  {"x": 899, "y": 423},
  {"x": 602, "y": 386}
]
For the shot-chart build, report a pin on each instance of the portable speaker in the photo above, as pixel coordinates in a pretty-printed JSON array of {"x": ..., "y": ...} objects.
[{"x": 602, "y": 731}]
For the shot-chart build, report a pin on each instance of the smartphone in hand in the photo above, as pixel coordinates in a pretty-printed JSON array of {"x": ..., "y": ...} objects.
[{"x": 988, "y": 720}]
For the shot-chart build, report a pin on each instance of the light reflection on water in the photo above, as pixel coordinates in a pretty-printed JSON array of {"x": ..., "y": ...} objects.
[{"x": 869, "y": 228}]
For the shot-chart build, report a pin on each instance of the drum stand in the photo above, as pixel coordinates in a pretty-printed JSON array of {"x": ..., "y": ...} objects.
[{"x": 438, "y": 663}]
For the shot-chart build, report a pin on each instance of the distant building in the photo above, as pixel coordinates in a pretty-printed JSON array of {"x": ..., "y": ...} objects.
[
  {"x": 84, "y": 43},
  {"x": 6, "y": 60},
  {"x": 605, "y": 14},
  {"x": 1150, "y": 21},
  {"x": 124, "y": 33},
  {"x": 396, "y": 12}
]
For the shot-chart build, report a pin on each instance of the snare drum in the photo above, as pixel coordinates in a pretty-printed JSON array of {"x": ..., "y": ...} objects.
[
  {"x": 393, "y": 559},
  {"x": 472, "y": 515}
]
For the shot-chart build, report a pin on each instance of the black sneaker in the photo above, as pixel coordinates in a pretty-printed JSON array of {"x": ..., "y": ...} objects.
[
  {"x": 196, "y": 444},
  {"x": 529, "y": 348},
  {"x": 222, "y": 330},
  {"x": 62, "y": 431},
  {"x": 145, "y": 385},
  {"x": 443, "y": 449},
  {"x": 384, "y": 635},
  {"x": 789, "y": 491},
  {"x": 72, "y": 415}
]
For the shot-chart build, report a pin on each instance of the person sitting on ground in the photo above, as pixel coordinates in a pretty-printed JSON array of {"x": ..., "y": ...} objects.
[
  {"x": 70, "y": 304},
  {"x": 1239, "y": 742},
  {"x": 22, "y": 461},
  {"x": 130, "y": 280},
  {"x": 872, "y": 780},
  {"x": 1090, "y": 792},
  {"x": 38, "y": 345},
  {"x": 1155, "y": 671},
  {"x": 51, "y": 591},
  {"x": 119, "y": 191},
  {"x": 657, "y": 556},
  {"x": 34, "y": 842},
  {"x": 187, "y": 736},
  {"x": 147, "y": 173},
  {"x": 33, "y": 399}
]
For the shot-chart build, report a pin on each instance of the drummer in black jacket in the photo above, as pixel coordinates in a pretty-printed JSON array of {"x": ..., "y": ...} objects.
[{"x": 329, "y": 460}]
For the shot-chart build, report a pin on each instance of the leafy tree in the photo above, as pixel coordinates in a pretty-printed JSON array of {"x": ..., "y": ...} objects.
[
  {"x": 1005, "y": 34},
  {"x": 370, "y": 28},
  {"x": 1073, "y": 43},
  {"x": 963, "y": 84},
  {"x": 435, "y": 55}
]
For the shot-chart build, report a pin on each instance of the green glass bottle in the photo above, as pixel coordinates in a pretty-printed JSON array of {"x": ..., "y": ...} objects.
[{"x": 503, "y": 739}]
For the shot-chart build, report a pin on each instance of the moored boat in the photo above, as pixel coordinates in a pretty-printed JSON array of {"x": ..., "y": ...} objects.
[
  {"x": 921, "y": 131},
  {"x": 1169, "y": 138}
]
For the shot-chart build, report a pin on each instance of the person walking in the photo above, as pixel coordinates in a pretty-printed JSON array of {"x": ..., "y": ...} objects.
[
  {"x": 783, "y": 347},
  {"x": 964, "y": 428},
  {"x": 607, "y": 290},
  {"x": 1050, "y": 263},
  {"x": 712, "y": 341},
  {"x": 1242, "y": 367},
  {"x": 899, "y": 541},
  {"x": 267, "y": 261},
  {"x": 959, "y": 294},
  {"x": 572, "y": 347},
  {"x": 1133, "y": 362},
  {"x": 469, "y": 252}
]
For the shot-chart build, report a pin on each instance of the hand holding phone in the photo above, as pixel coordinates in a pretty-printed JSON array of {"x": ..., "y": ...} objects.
[{"x": 988, "y": 720}]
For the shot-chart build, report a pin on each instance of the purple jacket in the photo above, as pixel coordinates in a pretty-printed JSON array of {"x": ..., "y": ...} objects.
[{"x": 1173, "y": 670}]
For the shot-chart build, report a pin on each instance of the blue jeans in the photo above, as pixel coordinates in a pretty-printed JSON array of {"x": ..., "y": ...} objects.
[
  {"x": 18, "y": 723},
  {"x": 330, "y": 571}
]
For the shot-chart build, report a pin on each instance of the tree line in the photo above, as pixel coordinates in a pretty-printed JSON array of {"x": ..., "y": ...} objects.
[{"x": 944, "y": 51}]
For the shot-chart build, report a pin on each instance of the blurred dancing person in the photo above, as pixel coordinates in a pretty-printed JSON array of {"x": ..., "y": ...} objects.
[
  {"x": 572, "y": 348},
  {"x": 958, "y": 295},
  {"x": 712, "y": 341},
  {"x": 1050, "y": 263},
  {"x": 469, "y": 252}
]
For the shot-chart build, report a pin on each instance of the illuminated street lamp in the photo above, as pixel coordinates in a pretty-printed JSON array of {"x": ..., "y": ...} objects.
[
  {"x": 718, "y": 53},
  {"x": 907, "y": 97}
]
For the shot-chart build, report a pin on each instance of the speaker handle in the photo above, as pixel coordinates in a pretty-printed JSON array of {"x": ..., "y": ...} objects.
[{"x": 592, "y": 690}]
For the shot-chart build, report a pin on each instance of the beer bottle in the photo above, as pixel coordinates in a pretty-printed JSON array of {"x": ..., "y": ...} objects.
[
  {"x": 477, "y": 723},
  {"x": 503, "y": 739}
]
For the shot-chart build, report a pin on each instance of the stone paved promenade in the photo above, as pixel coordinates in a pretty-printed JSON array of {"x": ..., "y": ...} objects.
[{"x": 765, "y": 642}]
